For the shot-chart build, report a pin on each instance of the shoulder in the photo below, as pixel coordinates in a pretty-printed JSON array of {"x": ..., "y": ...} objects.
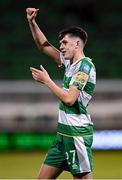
[{"x": 86, "y": 65}]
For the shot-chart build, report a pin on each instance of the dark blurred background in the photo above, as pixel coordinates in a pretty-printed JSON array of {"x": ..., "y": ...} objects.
[
  {"x": 101, "y": 19},
  {"x": 29, "y": 111}
]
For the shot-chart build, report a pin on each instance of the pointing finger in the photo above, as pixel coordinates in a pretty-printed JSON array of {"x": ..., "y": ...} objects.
[
  {"x": 42, "y": 68},
  {"x": 34, "y": 69}
]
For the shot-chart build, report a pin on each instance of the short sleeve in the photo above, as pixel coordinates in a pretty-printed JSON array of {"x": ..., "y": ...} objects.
[{"x": 80, "y": 78}]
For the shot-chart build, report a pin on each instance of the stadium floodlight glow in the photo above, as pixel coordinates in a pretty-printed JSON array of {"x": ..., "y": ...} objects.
[{"x": 107, "y": 139}]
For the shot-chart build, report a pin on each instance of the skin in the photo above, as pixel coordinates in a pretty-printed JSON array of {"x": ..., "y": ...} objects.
[{"x": 71, "y": 48}]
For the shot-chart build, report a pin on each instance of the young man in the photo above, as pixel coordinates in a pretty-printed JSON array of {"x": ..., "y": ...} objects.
[{"x": 71, "y": 149}]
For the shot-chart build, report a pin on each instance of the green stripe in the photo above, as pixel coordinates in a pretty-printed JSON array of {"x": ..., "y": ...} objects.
[
  {"x": 89, "y": 87},
  {"x": 78, "y": 84},
  {"x": 76, "y": 108},
  {"x": 75, "y": 130},
  {"x": 72, "y": 159},
  {"x": 86, "y": 61},
  {"x": 66, "y": 82}
]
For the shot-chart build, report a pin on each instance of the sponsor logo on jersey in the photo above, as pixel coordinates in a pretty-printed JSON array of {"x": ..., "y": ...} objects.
[{"x": 81, "y": 77}]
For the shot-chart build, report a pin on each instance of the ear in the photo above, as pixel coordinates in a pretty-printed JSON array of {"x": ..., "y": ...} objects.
[{"x": 77, "y": 44}]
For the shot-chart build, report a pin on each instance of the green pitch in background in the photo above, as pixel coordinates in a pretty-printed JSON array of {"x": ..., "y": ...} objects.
[{"x": 17, "y": 165}]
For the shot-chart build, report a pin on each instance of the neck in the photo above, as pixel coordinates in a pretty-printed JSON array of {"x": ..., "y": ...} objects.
[{"x": 77, "y": 56}]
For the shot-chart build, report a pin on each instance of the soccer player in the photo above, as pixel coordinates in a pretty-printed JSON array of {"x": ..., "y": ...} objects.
[{"x": 71, "y": 149}]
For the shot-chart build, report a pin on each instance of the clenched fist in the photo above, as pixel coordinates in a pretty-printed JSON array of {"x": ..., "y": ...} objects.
[{"x": 31, "y": 13}]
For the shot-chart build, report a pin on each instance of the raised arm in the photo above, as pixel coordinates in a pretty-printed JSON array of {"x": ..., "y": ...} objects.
[{"x": 40, "y": 38}]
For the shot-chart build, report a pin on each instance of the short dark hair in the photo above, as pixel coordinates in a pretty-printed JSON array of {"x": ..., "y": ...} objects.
[{"x": 74, "y": 31}]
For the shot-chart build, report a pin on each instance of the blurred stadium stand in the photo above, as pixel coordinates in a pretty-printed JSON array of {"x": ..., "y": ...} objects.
[{"x": 30, "y": 106}]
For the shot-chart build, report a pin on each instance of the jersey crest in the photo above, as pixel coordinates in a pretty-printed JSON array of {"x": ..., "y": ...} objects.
[{"x": 85, "y": 68}]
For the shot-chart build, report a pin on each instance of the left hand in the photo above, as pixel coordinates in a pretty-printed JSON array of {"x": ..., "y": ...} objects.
[{"x": 40, "y": 75}]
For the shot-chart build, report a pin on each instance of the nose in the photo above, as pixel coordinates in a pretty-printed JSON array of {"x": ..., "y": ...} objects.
[{"x": 61, "y": 47}]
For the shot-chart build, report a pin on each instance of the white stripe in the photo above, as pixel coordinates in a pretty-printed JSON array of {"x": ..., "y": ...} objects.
[
  {"x": 84, "y": 98},
  {"x": 82, "y": 154},
  {"x": 74, "y": 119},
  {"x": 92, "y": 76}
]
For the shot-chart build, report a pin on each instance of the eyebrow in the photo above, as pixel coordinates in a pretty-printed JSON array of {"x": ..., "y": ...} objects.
[{"x": 62, "y": 41}]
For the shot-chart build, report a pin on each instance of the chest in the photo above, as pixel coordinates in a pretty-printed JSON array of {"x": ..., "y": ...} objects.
[{"x": 70, "y": 71}]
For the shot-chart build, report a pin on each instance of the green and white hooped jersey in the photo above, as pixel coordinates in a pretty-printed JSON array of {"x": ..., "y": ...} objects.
[{"x": 74, "y": 120}]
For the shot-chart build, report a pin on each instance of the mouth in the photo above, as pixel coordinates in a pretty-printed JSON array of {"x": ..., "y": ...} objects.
[{"x": 63, "y": 52}]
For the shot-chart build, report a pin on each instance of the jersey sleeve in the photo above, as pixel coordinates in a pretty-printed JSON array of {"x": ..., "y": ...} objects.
[{"x": 80, "y": 78}]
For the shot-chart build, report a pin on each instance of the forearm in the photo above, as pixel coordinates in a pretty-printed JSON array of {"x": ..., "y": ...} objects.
[
  {"x": 61, "y": 93},
  {"x": 43, "y": 43},
  {"x": 37, "y": 34},
  {"x": 67, "y": 96}
]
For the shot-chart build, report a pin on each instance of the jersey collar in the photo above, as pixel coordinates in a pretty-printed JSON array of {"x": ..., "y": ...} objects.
[{"x": 78, "y": 61}]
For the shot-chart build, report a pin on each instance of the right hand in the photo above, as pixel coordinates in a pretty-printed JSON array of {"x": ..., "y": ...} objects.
[{"x": 31, "y": 13}]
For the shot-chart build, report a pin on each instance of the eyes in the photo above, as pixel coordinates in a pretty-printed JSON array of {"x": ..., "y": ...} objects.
[{"x": 64, "y": 42}]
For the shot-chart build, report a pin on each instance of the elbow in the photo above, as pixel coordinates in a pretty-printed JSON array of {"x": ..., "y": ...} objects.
[
  {"x": 69, "y": 102},
  {"x": 42, "y": 45}
]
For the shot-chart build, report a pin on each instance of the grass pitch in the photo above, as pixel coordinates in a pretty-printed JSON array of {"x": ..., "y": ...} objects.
[{"x": 26, "y": 165}]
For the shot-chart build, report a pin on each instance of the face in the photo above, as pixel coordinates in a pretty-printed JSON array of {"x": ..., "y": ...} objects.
[{"x": 68, "y": 46}]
